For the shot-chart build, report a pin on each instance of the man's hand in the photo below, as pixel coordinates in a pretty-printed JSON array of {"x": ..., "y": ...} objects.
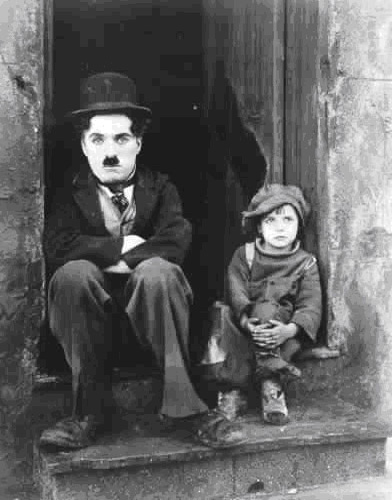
[
  {"x": 120, "y": 268},
  {"x": 131, "y": 241},
  {"x": 274, "y": 335}
]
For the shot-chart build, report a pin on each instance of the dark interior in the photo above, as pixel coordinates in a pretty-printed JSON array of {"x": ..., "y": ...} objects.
[{"x": 159, "y": 44}]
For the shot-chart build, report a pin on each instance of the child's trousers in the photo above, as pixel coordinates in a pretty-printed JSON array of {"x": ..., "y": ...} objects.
[{"x": 241, "y": 363}]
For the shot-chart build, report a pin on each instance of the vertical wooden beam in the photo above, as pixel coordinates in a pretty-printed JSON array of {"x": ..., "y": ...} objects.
[
  {"x": 278, "y": 116},
  {"x": 301, "y": 103}
]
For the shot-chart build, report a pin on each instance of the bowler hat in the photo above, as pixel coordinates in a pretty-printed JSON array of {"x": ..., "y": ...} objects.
[
  {"x": 109, "y": 92},
  {"x": 271, "y": 197}
]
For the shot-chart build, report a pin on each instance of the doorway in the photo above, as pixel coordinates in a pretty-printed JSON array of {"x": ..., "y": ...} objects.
[{"x": 213, "y": 73}]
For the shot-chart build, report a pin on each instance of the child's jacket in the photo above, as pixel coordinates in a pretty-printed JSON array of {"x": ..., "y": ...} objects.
[{"x": 288, "y": 284}]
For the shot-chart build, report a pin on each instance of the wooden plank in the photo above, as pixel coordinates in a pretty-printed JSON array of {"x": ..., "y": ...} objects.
[
  {"x": 247, "y": 38},
  {"x": 278, "y": 41},
  {"x": 301, "y": 104}
]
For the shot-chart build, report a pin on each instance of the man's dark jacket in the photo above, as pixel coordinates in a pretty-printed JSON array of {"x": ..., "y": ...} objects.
[{"x": 75, "y": 227}]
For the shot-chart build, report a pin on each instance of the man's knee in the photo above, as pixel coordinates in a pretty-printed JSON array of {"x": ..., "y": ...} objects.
[
  {"x": 76, "y": 274},
  {"x": 157, "y": 270},
  {"x": 159, "y": 274}
]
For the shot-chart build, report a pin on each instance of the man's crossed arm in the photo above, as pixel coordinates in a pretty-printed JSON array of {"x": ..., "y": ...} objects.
[{"x": 121, "y": 267}]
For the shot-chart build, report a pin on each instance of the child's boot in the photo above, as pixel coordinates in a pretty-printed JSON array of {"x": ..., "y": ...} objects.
[
  {"x": 275, "y": 410},
  {"x": 232, "y": 403}
]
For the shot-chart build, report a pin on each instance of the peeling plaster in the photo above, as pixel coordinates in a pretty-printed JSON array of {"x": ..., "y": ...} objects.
[
  {"x": 21, "y": 204},
  {"x": 359, "y": 125}
]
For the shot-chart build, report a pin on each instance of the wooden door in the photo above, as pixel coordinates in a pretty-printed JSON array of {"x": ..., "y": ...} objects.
[
  {"x": 301, "y": 77},
  {"x": 244, "y": 40},
  {"x": 243, "y": 49},
  {"x": 260, "y": 98}
]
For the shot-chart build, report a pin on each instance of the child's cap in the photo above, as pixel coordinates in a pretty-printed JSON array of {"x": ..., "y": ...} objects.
[{"x": 273, "y": 196}]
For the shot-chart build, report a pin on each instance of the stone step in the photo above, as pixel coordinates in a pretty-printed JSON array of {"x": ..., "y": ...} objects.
[
  {"x": 137, "y": 388},
  {"x": 327, "y": 440},
  {"x": 379, "y": 488}
]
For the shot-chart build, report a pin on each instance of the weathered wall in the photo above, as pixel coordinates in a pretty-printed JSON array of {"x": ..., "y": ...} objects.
[
  {"x": 355, "y": 179},
  {"x": 21, "y": 104}
]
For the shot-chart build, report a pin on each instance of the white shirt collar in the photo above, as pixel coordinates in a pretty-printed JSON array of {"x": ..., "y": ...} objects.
[{"x": 128, "y": 191}]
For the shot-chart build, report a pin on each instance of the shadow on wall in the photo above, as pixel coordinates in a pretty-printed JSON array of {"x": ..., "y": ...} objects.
[{"x": 361, "y": 372}]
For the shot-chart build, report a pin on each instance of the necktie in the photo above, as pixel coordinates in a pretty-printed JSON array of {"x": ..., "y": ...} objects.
[{"x": 120, "y": 201}]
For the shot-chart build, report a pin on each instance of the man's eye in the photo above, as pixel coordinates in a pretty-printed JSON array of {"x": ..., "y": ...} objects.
[
  {"x": 123, "y": 139},
  {"x": 97, "y": 140},
  {"x": 269, "y": 220}
]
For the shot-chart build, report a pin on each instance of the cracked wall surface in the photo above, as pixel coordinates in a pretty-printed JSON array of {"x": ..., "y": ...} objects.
[
  {"x": 21, "y": 105},
  {"x": 357, "y": 227},
  {"x": 21, "y": 208}
]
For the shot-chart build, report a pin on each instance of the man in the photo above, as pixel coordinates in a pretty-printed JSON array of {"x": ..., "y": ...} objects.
[{"x": 116, "y": 238}]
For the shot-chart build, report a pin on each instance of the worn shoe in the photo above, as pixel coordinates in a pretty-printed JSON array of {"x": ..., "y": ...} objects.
[
  {"x": 275, "y": 410},
  {"x": 216, "y": 431},
  {"x": 232, "y": 403},
  {"x": 71, "y": 433}
]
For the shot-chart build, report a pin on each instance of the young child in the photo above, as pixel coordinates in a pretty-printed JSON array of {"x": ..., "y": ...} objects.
[{"x": 273, "y": 290}]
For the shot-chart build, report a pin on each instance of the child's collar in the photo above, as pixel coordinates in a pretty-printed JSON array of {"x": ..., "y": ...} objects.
[{"x": 283, "y": 254}]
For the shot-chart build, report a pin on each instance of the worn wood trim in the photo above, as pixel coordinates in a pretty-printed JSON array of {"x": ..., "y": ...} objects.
[
  {"x": 301, "y": 103},
  {"x": 323, "y": 151},
  {"x": 278, "y": 114}
]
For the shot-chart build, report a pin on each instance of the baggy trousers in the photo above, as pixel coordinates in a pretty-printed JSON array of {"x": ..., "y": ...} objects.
[{"x": 156, "y": 298}]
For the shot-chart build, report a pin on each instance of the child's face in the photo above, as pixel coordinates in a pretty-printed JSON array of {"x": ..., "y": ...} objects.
[{"x": 279, "y": 229}]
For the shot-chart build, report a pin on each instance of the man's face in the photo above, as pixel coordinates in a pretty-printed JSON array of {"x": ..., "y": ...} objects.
[{"x": 110, "y": 147}]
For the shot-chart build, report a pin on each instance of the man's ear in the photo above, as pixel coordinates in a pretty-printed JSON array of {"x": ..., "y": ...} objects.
[
  {"x": 139, "y": 142},
  {"x": 83, "y": 146}
]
